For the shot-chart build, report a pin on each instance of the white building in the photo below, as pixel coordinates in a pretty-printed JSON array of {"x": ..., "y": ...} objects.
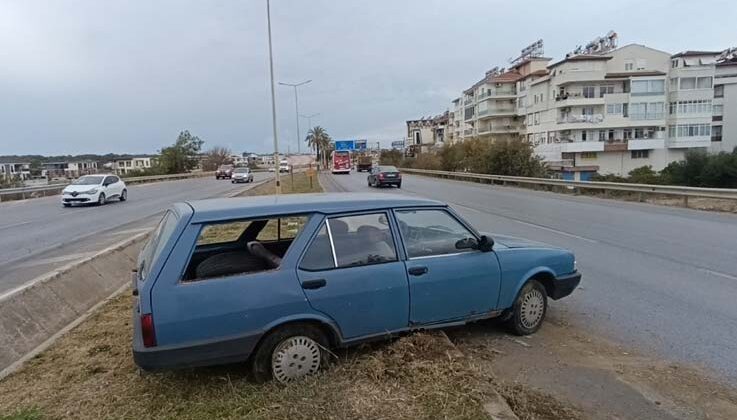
[
  {"x": 15, "y": 170},
  {"x": 426, "y": 134},
  {"x": 134, "y": 164},
  {"x": 724, "y": 119}
]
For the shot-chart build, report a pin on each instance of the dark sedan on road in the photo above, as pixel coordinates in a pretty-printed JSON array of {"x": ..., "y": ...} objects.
[
  {"x": 384, "y": 175},
  {"x": 224, "y": 172}
]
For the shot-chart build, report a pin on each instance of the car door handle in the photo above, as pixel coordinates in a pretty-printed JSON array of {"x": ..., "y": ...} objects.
[
  {"x": 314, "y": 284},
  {"x": 417, "y": 271}
]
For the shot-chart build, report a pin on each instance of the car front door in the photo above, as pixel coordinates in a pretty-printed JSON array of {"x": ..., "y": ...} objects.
[
  {"x": 352, "y": 273},
  {"x": 117, "y": 185},
  {"x": 446, "y": 283}
]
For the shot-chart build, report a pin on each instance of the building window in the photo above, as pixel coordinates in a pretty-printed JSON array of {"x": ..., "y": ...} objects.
[
  {"x": 688, "y": 83},
  {"x": 583, "y": 135},
  {"x": 703, "y": 83},
  {"x": 615, "y": 109},
  {"x": 689, "y": 130},
  {"x": 602, "y": 135},
  {"x": 702, "y": 106},
  {"x": 674, "y": 63},
  {"x": 718, "y": 110},
  {"x": 588, "y": 155},
  {"x": 718, "y": 91},
  {"x": 648, "y": 87},
  {"x": 606, "y": 89},
  {"x": 640, "y": 154},
  {"x": 627, "y": 133},
  {"x": 716, "y": 133},
  {"x": 629, "y": 65},
  {"x": 673, "y": 83},
  {"x": 589, "y": 91},
  {"x": 641, "y": 64}
]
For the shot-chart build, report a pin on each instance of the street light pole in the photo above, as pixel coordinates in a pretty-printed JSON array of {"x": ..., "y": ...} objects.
[
  {"x": 309, "y": 119},
  {"x": 277, "y": 190},
  {"x": 296, "y": 107}
]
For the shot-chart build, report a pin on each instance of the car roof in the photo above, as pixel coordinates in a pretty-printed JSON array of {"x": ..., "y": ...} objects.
[{"x": 219, "y": 209}]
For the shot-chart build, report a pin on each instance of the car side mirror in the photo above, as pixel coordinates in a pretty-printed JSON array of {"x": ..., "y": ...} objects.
[
  {"x": 485, "y": 244},
  {"x": 467, "y": 243}
]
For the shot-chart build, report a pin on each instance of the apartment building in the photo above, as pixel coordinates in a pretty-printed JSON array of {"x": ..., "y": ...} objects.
[
  {"x": 426, "y": 134},
  {"x": 724, "y": 118},
  {"x": 15, "y": 170},
  {"x": 68, "y": 169},
  {"x": 134, "y": 164}
]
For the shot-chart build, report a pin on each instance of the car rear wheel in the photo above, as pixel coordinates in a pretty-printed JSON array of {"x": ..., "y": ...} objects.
[
  {"x": 124, "y": 195},
  {"x": 101, "y": 200},
  {"x": 529, "y": 309},
  {"x": 290, "y": 353}
]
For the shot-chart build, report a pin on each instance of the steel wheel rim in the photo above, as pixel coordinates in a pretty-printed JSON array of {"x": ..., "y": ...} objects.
[
  {"x": 531, "y": 309},
  {"x": 101, "y": 198},
  {"x": 295, "y": 358}
]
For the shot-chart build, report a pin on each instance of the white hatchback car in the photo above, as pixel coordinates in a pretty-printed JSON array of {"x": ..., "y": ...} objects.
[{"x": 97, "y": 189}]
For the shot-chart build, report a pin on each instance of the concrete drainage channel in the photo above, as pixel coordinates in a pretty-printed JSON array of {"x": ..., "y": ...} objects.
[{"x": 34, "y": 315}]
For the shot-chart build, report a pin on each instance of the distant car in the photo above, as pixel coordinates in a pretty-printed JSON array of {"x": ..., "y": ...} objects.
[
  {"x": 241, "y": 175},
  {"x": 224, "y": 172},
  {"x": 284, "y": 166},
  {"x": 278, "y": 280},
  {"x": 94, "y": 189},
  {"x": 384, "y": 175}
]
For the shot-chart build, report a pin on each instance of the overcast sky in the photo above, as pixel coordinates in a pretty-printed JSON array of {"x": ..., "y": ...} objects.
[{"x": 126, "y": 76}]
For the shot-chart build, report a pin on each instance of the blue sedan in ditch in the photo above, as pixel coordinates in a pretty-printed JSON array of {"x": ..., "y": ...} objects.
[{"x": 278, "y": 280}]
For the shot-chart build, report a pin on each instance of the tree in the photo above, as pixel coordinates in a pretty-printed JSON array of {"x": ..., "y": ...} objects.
[
  {"x": 182, "y": 155},
  {"x": 319, "y": 140},
  {"x": 215, "y": 157},
  {"x": 391, "y": 157}
]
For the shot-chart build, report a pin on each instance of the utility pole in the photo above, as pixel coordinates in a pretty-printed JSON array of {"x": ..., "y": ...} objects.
[
  {"x": 296, "y": 107},
  {"x": 277, "y": 190}
]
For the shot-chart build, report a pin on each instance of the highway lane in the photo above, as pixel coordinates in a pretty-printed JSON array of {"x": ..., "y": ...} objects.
[
  {"x": 38, "y": 235},
  {"x": 657, "y": 278}
]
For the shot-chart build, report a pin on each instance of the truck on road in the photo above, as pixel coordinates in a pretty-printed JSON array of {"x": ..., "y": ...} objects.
[{"x": 364, "y": 163}]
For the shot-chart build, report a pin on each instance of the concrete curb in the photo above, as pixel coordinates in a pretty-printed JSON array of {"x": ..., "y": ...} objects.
[{"x": 33, "y": 315}]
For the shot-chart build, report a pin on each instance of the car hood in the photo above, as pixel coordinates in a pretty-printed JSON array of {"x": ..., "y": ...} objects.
[
  {"x": 80, "y": 188},
  {"x": 514, "y": 242}
]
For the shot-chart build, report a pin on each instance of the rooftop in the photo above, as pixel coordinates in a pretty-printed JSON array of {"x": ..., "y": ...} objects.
[
  {"x": 690, "y": 53},
  {"x": 581, "y": 57},
  {"x": 217, "y": 209}
]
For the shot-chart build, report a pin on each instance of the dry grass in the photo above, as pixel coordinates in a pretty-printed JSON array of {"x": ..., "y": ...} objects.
[{"x": 89, "y": 374}]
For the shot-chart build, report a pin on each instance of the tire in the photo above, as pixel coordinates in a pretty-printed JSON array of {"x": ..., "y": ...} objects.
[
  {"x": 123, "y": 195},
  {"x": 298, "y": 342},
  {"x": 232, "y": 181},
  {"x": 399, "y": 185},
  {"x": 529, "y": 309},
  {"x": 101, "y": 200}
]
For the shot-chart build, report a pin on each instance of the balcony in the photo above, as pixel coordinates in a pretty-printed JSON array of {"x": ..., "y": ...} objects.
[
  {"x": 468, "y": 101},
  {"x": 497, "y": 111},
  {"x": 688, "y": 142},
  {"x": 648, "y": 116},
  {"x": 581, "y": 119},
  {"x": 578, "y": 99},
  {"x": 497, "y": 128},
  {"x": 498, "y": 94}
]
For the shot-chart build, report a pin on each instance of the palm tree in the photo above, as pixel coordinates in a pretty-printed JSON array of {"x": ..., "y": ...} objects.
[{"x": 319, "y": 140}]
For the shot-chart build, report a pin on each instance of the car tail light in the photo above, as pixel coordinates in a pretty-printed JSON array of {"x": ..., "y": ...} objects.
[
  {"x": 381, "y": 176},
  {"x": 399, "y": 175},
  {"x": 147, "y": 330}
]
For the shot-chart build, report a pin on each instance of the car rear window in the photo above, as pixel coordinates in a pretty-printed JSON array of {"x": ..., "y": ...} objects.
[
  {"x": 156, "y": 242},
  {"x": 388, "y": 169}
]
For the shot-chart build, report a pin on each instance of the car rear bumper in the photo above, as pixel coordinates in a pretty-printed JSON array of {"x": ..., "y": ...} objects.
[
  {"x": 564, "y": 285},
  {"x": 230, "y": 350},
  {"x": 390, "y": 182}
]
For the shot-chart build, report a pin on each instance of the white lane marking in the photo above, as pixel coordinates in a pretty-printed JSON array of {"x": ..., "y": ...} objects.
[
  {"x": 13, "y": 225},
  {"x": 54, "y": 260},
  {"x": 559, "y": 232},
  {"x": 717, "y": 273},
  {"x": 125, "y": 232}
]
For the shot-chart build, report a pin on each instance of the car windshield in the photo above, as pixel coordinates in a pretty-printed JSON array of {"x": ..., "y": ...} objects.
[
  {"x": 88, "y": 180},
  {"x": 241, "y": 170}
]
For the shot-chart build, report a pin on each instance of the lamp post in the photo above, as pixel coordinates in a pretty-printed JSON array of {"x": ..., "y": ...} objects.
[
  {"x": 296, "y": 105},
  {"x": 277, "y": 189},
  {"x": 309, "y": 119}
]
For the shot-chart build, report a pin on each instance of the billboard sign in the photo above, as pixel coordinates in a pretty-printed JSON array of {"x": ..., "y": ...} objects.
[
  {"x": 399, "y": 144},
  {"x": 345, "y": 145},
  {"x": 361, "y": 145}
]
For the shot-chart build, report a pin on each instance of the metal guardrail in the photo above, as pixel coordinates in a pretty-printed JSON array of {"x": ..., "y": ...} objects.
[
  {"x": 22, "y": 193},
  {"x": 685, "y": 192}
]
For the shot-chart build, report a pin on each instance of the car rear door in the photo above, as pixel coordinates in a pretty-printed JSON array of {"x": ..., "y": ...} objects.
[
  {"x": 445, "y": 283},
  {"x": 351, "y": 272}
]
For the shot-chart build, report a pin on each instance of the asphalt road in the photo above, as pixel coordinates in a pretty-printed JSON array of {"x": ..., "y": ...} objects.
[
  {"x": 38, "y": 235},
  {"x": 660, "y": 279}
]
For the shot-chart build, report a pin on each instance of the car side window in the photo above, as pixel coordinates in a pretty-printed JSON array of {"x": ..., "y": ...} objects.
[
  {"x": 319, "y": 255},
  {"x": 431, "y": 232},
  {"x": 362, "y": 239},
  {"x": 114, "y": 179},
  {"x": 351, "y": 241},
  {"x": 107, "y": 180}
]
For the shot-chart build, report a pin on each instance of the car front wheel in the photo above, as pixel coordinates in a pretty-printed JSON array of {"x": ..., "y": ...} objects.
[
  {"x": 101, "y": 200},
  {"x": 124, "y": 195},
  {"x": 529, "y": 309},
  {"x": 290, "y": 353}
]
